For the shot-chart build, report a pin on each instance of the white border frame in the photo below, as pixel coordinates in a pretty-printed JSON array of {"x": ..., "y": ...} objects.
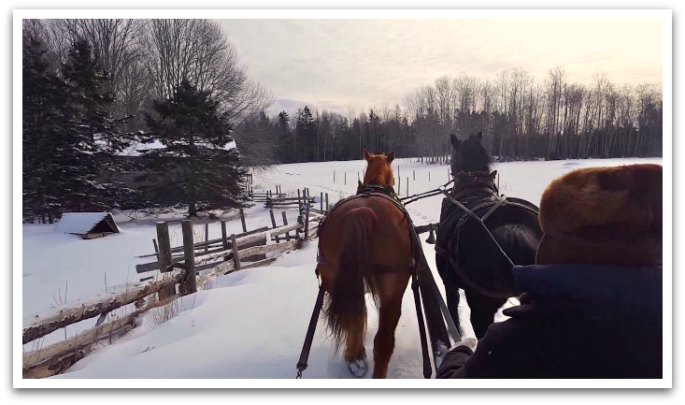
[{"x": 665, "y": 16}]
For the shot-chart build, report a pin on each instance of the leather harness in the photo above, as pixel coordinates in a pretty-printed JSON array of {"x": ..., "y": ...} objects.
[
  {"x": 387, "y": 193},
  {"x": 475, "y": 197}
]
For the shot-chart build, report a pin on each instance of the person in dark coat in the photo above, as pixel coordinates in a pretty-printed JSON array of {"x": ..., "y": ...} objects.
[{"x": 592, "y": 305}]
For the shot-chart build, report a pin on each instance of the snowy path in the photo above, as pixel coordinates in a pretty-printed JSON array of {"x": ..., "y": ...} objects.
[{"x": 249, "y": 324}]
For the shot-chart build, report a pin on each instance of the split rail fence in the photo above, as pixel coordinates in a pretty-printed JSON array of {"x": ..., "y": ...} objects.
[{"x": 180, "y": 268}]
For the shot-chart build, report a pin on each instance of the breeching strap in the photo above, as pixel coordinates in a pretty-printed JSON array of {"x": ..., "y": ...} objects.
[{"x": 304, "y": 356}]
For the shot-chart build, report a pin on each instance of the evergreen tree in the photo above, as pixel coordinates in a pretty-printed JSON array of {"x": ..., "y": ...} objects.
[
  {"x": 285, "y": 138},
  {"x": 305, "y": 133},
  {"x": 196, "y": 166},
  {"x": 63, "y": 128},
  {"x": 92, "y": 140},
  {"x": 43, "y": 96}
]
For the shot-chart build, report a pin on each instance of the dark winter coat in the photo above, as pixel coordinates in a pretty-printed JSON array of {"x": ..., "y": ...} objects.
[{"x": 575, "y": 321}]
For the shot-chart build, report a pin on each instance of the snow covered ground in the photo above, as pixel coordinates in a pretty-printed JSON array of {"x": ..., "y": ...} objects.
[{"x": 249, "y": 324}]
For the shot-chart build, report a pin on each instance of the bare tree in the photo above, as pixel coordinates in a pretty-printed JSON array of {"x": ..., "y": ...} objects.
[
  {"x": 199, "y": 51},
  {"x": 116, "y": 44}
]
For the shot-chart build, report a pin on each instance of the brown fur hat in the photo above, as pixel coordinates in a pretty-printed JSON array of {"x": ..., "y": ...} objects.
[{"x": 604, "y": 215}]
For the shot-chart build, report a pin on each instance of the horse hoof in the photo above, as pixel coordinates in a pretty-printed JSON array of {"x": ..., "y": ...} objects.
[{"x": 358, "y": 368}]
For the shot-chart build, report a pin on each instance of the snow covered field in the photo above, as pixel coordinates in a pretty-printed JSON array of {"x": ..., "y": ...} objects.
[{"x": 249, "y": 324}]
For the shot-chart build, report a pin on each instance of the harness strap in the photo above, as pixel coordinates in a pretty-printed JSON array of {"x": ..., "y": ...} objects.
[
  {"x": 304, "y": 356},
  {"x": 477, "y": 218},
  {"x": 500, "y": 201}
]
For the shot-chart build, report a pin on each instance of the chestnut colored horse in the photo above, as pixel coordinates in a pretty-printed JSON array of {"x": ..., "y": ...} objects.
[{"x": 364, "y": 244}]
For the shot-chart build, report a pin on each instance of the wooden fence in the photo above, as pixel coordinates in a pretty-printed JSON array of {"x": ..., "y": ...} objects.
[
  {"x": 178, "y": 277},
  {"x": 180, "y": 268}
]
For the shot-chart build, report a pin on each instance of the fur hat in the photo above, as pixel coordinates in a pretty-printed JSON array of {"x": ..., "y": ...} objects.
[{"x": 604, "y": 215}]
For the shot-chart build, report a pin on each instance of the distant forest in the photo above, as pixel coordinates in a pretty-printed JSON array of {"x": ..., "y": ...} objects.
[
  {"x": 143, "y": 113},
  {"x": 521, "y": 119}
]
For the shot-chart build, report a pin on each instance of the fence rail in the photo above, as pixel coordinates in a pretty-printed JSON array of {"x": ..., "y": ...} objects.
[
  {"x": 181, "y": 270},
  {"x": 196, "y": 263}
]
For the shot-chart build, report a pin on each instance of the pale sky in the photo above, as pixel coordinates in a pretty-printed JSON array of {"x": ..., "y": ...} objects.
[{"x": 350, "y": 65}]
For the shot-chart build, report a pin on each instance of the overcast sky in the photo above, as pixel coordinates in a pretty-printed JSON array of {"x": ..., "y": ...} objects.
[{"x": 351, "y": 65}]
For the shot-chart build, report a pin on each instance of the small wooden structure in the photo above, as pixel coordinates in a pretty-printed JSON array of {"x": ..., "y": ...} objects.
[{"x": 87, "y": 225}]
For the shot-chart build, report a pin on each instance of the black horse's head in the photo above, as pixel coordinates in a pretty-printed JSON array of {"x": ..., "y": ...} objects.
[{"x": 469, "y": 155}]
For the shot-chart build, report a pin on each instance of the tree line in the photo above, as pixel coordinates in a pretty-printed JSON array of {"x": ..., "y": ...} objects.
[
  {"x": 174, "y": 94},
  {"x": 94, "y": 89},
  {"x": 520, "y": 119}
]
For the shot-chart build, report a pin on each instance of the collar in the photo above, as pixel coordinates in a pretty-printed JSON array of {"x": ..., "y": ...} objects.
[
  {"x": 474, "y": 183},
  {"x": 376, "y": 188}
]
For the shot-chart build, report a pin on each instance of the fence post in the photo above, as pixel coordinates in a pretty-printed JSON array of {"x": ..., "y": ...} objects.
[
  {"x": 399, "y": 185},
  {"x": 321, "y": 202},
  {"x": 224, "y": 240},
  {"x": 242, "y": 220},
  {"x": 327, "y": 206},
  {"x": 333, "y": 176},
  {"x": 234, "y": 247},
  {"x": 414, "y": 172},
  {"x": 407, "y": 191},
  {"x": 189, "y": 282},
  {"x": 273, "y": 222},
  {"x": 345, "y": 179},
  {"x": 206, "y": 236},
  {"x": 306, "y": 222},
  {"x": 164, "y": 255},
  {"x": 429, "y": 176},
  {"x": 154, "y": 243},
  {"x": 299, "y": 202},
  {"x": 285, "y": 223}
]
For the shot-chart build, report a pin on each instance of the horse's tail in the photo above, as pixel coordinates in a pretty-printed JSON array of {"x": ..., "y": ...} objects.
[{"x": 346, "y": 307}]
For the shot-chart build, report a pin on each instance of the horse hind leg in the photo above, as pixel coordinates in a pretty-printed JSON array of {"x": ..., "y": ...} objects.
[
  {"x": 384, "y": 342},
  {"x": 389, "y": 315}
]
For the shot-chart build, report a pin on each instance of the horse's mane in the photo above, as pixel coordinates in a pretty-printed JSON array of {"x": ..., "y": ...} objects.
[{"x": 473, "y": 155}]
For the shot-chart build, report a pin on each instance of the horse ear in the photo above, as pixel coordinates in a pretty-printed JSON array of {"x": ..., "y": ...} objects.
[
  {"x": 455, "y": 141},
  {"x": 367, "y": 155},
  {"x": 479, "y": 136},
  {"x": 390, "y": 157}
]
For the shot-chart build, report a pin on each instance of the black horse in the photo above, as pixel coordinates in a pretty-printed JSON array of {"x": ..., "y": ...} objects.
[{"x": 476, "y": 254}]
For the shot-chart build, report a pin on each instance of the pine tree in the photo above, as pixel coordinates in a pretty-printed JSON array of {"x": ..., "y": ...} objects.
[
  {"x": 305, "y": 132},
  {"x": 93, "y": 138},
  {"x": 195, "y": 167},
  {"x": 68, "y": 140},
  {"x": 285, "y": 141},
  {"x": 43, "y": 96}
]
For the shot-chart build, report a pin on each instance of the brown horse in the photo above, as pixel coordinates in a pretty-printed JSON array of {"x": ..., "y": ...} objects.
[{"x": 365, "y": 245}]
